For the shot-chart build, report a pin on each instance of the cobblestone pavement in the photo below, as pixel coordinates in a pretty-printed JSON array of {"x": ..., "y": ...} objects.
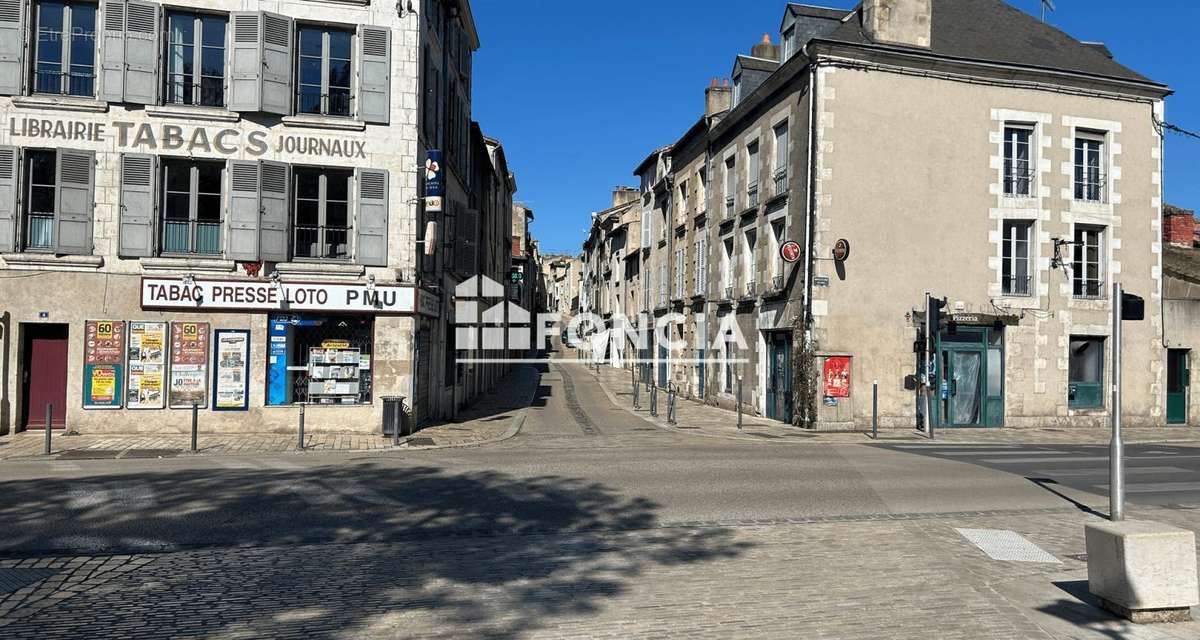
[
  {"x": 493, "y": 418},
  {"x": 694, "y": 418},
  {"x": 894, "y": 576}
]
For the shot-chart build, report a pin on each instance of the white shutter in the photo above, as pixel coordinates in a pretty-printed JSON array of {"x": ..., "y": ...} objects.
[
  {"x": 10, "y": 163},
  {"x": 141, "y": 52},
  {"x": 277, "y": 42},
  {"x": 112, "y": 52},
  {"x": 246, "y": 65},
  {"x": 137, "y": 218},
  {"x": 76, "y": 201},
  {"x": 12, "y": 46},
  {"x": 275, "y": 178},
  {"x": 370, "y": 247},
  {"x": 243, "y": 210},
  {"x": 374, "y": 80}
]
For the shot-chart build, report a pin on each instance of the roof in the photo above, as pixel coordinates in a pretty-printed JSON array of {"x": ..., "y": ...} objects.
[
  {"x": 756, "y": 64},
  {"x": 813, "y": 11},
  {"x": 653, "y": 157},
  {"x": 1181, "y": 263},
  {"x": 994, "y": 31}
]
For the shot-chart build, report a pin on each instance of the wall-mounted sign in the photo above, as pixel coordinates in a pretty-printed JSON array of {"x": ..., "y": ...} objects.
[
  {"x": 103, "y": 364},
  {"x": 435, "y": 184},
  {"x": 841, "y": 250},
  {"x": 429, "y": 303},
  {"x": 257, "y": 295},
  {"x": 434, "y": 204},
  {"x": 837, "y": 377},
  {"x": 231, "y": 365},
  {"x": 189, "y": 365},
  {"x": 790, "y": 251},
  {"x": 147, "y": 365}
]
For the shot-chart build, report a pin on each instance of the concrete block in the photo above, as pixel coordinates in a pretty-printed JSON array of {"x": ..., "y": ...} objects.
[{"x": 1143, "y": 571}]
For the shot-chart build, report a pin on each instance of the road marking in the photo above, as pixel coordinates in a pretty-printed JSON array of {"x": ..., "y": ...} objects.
[
  {"x": 287, "y": 465},
  {"x": 1158, "y": 487},
  {"x": 1083, "y": 459},
  {"x": 233, "y": 463},
  {"x": 1001, "y": 544},
  {"x": 65, "y": 466},
  {"x": 1103, "y": 471}
]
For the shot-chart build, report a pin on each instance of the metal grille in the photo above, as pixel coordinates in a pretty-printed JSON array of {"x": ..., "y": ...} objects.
[{"x": 1010, "y": 546}]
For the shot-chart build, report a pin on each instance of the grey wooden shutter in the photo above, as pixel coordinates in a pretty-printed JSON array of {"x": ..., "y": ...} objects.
[
  {"x": 141, "y": 52},
  {"x": 10, "y": 158},
  {"x": 277, "y": 63},
  {"x": 138, "y": 173},
  {"x": 243, "y": 210},
  {"x": 76, "y": 199},
  {"x": 370, "y": 244},
  {"x": 246, "y": 65},
  {"x": 273, "y": 211},
  {"x": 112, "y": 52},
  {"x": 12, "y": 47},
  {"x": 375, "y": 70},
  {"x": 467, "y": 252}
]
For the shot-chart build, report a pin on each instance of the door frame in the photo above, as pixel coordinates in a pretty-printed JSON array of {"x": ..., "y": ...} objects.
[
  {"x": 1185, "y": 372},
  {"x": 28, "y": 332},
  {"x": 989, "y": 337}
]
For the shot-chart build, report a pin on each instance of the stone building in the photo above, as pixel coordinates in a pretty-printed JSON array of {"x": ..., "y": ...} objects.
[
  {"x": 561, "y": 275},
  {"x": 1181, "y": 313},
  {"x": 204, "y": 205}
]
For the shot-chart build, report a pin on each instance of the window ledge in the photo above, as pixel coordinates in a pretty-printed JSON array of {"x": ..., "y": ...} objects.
[
  {"x": 322, "y": 269},
  {"x": 60, "y": 103},
  {"x": 194, "y": 113},
  {"x": 324, "y": 122},
  {"x": 51, "y": 261},
  {"x": 195, "y": 265}
]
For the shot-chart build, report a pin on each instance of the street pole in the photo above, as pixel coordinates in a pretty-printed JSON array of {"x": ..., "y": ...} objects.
[
  {"x": 1116, "y": 453},
  {"x": 49, "y": 421},
  {"x": 739, "y": 400},
  {"x": 300, "y": 444},
  {"x": 930, "y": 360},
  {"x": 195, "y": 423},
  {"x": 875, "y": 410}
]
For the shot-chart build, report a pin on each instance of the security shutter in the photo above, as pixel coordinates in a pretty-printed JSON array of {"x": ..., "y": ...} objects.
[
  {"x": 273, "y": 211},
  {"x": 374, "y": 85},
  {"x": 138, "y": 173},
  {"x": 246, "y": 64},
  {"x": 467, "y": 252},
  {"x": 277, "y": 41},
  {"x": 370, "y": 247},
  {"x": 12, "y": 46},
  {"x": 76, "y": 200},
  {"x": 141, "y": 52},
  {"x": 243, "y": 210},
  {"x": 9, "y": 174},
  {"x": 112, "y": 52}
]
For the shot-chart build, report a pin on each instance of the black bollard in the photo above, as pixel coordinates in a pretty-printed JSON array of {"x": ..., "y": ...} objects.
[
  {"x": 49, "y": 423},
  {"x": 875, "y": 410},
  {"x": 195, "y": 423},
  {"x": 301, "y": 444}
]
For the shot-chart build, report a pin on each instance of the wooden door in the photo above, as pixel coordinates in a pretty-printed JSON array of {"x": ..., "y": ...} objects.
[{"x": 44, "y": 358}]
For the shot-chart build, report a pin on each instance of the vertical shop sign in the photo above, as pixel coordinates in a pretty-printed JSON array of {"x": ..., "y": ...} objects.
[
  {"x": 103, "y": 364},
  {"x": 277, "y": 361},
  {"x": 837, "y": 377},
  {"x": 147, "y": 365},
  {"x": 231, "y": 378},
  {"x": 189, "y": 365}
]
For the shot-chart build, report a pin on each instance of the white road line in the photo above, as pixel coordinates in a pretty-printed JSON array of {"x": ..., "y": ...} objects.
[
  {"x": 1158, "y": 487},
  {"x": 1083, "y": 459},
  {"x": 1103, "y": 471}
]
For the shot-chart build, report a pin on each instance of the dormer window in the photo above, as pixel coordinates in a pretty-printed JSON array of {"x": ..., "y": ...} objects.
[
  {"x": 737, "y": 89},
  {"x": 789, "y": 43}
]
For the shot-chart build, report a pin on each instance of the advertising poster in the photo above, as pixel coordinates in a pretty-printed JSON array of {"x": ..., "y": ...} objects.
[
  {"x": 231, "y": 379},
  {"x": 147, "y": 365},
  {"x": 103, "y": 364},
  {"x": 189, "y": 365},
  {"x": 837, "y": 377}
]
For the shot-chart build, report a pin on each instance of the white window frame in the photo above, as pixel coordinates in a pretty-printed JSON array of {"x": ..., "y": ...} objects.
[
  {"x": 1012, "y": 176},
  {"x": 1083, "y": 287},
  {"x": 1010, "y": 286},
  {"x": 1099, "y": 186}
]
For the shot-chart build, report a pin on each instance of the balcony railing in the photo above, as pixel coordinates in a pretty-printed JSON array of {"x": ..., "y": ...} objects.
[
  {"x": 728, "y": 206},
  {"x": 1088, "y": 289},
  {"x": 1018, "y": 180},
  {"x": 1017, "y": 286},
  {"x": 752, "y": 195},
  {"x": 1089, "y": 186},
  {"x": 178, "y": 237},
  {"x": 781, "y": 181},
  {"x": 41, "y": 231}
]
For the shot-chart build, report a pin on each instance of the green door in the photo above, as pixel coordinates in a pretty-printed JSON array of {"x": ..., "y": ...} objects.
[
  {"x": 1177, "y": 386},
  {"x": 970, "y": 377},
  {"x": 963, "y": 398},
  {"x": 779, "y": 380}
]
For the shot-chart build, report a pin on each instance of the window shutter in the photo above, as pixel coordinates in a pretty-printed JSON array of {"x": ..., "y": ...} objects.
[
  {"x": 138, "y": 173},
  {"x": 76, "y": 200},
  {"x": 12, "y": 46},
  {"x": 10, "y": 158},
  {"x": 112, "y": 52},
  {"x": 467, "y": 252},
  {"x": 276, "y": 71},
  {"x": 273, "y": 211},
  {"x": 645, "y": 230},
  {"x": 141, "y": 52},
  {"x": 374, "y": 82},
  {"x": 246, "y": 65},
  {"x": 243, "y": 210},
  {"x": 370, "y": 245}
]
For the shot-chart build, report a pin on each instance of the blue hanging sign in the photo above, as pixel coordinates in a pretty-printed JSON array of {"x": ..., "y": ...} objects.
[{"x": 435, "y": 185}]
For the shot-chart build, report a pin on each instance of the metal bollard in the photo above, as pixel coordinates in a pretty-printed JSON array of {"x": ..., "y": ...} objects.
[
  {"x": 672, "y": 395},
  {"x": 875, "y": 410},
  {"x": 49, "y": 423},
  {"x": 301, "y": 445},
  {"x": 653, "y": 399},
  {"x": 195, "y": 423},
  {"x": 739, "y": 402},
  {"x": 397, "y": 419},
  {"x": 637, "y": 391}
]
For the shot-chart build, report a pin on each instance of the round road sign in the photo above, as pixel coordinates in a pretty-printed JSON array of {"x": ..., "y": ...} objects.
[
  {"x": 841, "y": 250},
  {"x": 790, "y": 251}
]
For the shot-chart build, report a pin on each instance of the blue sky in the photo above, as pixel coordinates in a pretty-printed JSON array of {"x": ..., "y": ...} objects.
[{"x": 581, "y": 92}]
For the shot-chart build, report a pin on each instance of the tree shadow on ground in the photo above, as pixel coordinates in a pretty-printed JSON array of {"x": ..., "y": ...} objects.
[{"x": 341, "y": 551}]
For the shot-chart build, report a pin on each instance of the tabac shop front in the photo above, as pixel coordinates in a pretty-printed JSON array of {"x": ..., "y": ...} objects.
[{"x": 133, "y": 354}]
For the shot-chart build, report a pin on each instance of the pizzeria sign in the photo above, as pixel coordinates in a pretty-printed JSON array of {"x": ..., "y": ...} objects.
[{"x": 253, "y": 295}]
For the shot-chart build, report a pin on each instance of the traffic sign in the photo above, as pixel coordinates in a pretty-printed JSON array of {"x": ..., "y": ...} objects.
[
  {"x": 841, "y": 250},
  {"x": 790, "y": 251}
]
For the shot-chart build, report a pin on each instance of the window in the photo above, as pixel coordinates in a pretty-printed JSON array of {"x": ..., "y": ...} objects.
[
  {"x": 749, "y": 260},
  {"x": 1086, "y": 268},
  {"x": 304, "y": 368},
  {"x": 662, "y": 281},
  {"x": 1086, "y": 373},
  {"x": 789, "y": 43},
  {"x": 683, "y": 197},
  {"x": 322, "y": 213},
  {"x": 730, "y": 184},
  {"x": 1089, "y": 167},
  {"x": 42, "y": 190},
  {"x": 1015, "y": 262},
  {"x": 730, "y": 351},
  {"x": 195, "y": 59},
  {"x": 702, "y": 189},
  {"x": 727, "y": 266},
  {"x": 1018, "y": 166},
  {"x": 65, "y": 51},
  {"x": 752, "y": 174},
  {"x": 58, "y": 196},
  {"x": 432, "y": 79},
  {"x": 701, "y": 265},
  {"x": 323, "y": 71},
  {"x": 776, "y": 259},
  {"x": 737, "y": 89},
  {"x": 680, "y": 270},
  {"x": 191, "y": 211},
  {"x": 781, "y": 158}
]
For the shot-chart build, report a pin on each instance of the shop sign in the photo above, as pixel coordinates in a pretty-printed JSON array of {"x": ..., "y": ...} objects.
[
  {"x": 103, "y": 364},
  {"x": 147, "y": 365},
  {"x": 189, "y": 365},
  {"x": 837, "y": 377},
  {"x": 435, "y": 185},
  {"x": 256, "y": 295},
  {"x": 277, "y": 360},
  {"x": 429, "y": 304},
  {"x": 231, "y": 379},
  {"x": 790, "y": 251},
  {"x": 335, "y": 344}
]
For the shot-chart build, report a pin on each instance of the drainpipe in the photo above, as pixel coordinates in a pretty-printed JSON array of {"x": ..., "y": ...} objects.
[{"x": 810, "y": 207}]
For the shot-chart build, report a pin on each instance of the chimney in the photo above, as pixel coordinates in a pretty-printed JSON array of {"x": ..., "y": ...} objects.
[
  {"x": 1179, "y": 226},
  {"x": 902, "y": 22},
  {"x": 622, "y": 195},
  {"x": 717, "y": 98},
  {"x": 765, "y": 49}
]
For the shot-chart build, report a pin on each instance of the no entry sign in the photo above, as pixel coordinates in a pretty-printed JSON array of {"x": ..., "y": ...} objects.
[{"x": 790, "y": 251}]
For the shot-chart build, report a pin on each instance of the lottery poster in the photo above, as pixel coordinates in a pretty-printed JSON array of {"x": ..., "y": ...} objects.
[
  {"x": 189, "y": 365},
  {"x": 103, "y": 364}
]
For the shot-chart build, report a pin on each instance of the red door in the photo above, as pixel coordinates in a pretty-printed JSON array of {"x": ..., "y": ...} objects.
[{"x": 45, "y": 360}]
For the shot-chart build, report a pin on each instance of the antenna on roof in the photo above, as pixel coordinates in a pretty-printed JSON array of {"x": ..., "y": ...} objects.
[{"x": 1047, "y": 4}]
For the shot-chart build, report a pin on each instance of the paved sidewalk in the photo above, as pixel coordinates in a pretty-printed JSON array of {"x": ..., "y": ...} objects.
[
  {"x": 495, "y": 417},
  {"x": 704, "y": 420}
]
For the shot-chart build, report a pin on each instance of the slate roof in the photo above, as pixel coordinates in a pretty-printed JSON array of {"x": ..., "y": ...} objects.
[
  {"x": 1181, "y": 263},
  {"x": 994, "y": 31},
  {"x": 756, "y": 64},
  {"x": 815, "y": 11}
]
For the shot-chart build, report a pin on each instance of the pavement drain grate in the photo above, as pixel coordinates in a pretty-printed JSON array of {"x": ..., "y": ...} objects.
[
  {"x": 151, "y": 453},
  {"x": 14, "y": 579},
  {"x": 1001, "y": 544},
  {"x": 90, "y": 454},
  {"x": 422, "y": 442}
]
